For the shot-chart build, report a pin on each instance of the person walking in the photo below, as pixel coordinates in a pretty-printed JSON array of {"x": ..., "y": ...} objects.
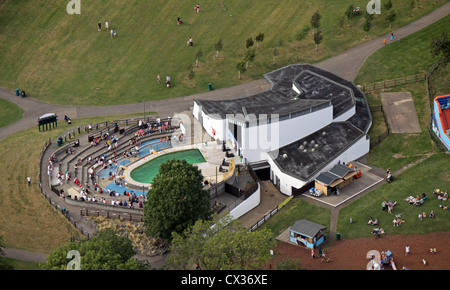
[
  {"x": 407, "y": 250},
  {"x": 29, "y": 180},
  {"x": 107, "y": 25}
]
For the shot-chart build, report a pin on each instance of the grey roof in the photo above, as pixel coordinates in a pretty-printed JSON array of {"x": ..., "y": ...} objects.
[
  {"x": 306, "y": 228},
  {"x": 341, "y": 170},
  {"x": 307, "y": 156},
  {"x": 327, "y": 178},
  {"x": 315, "y": 89}
]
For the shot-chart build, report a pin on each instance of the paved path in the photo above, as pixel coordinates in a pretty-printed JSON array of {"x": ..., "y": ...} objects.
[{"x": 345, "y": 65}]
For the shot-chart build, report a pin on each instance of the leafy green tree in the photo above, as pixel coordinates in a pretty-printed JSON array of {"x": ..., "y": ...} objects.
[
  {"x": 198, "y": 55},
  {"x": 259, "y": 39},
  {"x": 388, "y": 5},
  {"x": 412, "y": 4},
  {"x": 176, "y": 200},
  {"x": 315, "y": 21},
  {"x": 318, "y": 38},
  {"x": 441, "y": 45},
  {"x": 221, "y": 243},
  {"x": 275, "y": 53},
  {"x": 218, "y": 46},
  {"x": 250, "y": 55},
  {"x": 249, "y": 42},
  {"x": 241, "y": 67},
  {"x": 349, "y": 13},
  {"x": 390, "y": 17},
  {"x": 301, "y": 34},
  {"x": 106, "y": 250},
  {"x": 4, "y": 263},
  {"x": 367, "y": 26}
]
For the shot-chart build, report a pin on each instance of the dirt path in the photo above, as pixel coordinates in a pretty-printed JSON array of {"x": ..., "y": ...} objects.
[{"x": 350, "y": 254}]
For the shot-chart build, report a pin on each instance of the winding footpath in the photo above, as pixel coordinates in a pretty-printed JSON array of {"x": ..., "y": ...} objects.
[{"x": 345, "y": 65}]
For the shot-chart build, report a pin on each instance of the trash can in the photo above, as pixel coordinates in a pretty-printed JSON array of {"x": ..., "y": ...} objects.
[
  {"x": 23, "y": 94},
  {"x": 17, "y": 92},
  {"x": 59, "y": 141},
  {"x": 338, "y": 236},
  {"x": 210, "y": 86}
]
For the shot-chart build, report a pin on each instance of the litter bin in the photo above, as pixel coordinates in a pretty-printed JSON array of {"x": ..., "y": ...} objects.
[
  {"x": 17, "y": 92},
  {"x": 23, "y": 94},
  {"x": 59, "y": 141},
  {"x": 338, "y": 236},
  {"x": 210, "y": 86}
]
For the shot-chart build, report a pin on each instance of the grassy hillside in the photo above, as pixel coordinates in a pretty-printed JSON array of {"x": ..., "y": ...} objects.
[
  {"x": 61, "y": 58},
  {"x": 411, "y": 55}
]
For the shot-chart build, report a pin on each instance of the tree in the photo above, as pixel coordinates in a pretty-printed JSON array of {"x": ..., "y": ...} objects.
[
  {"x": 221, "y": 243},
  {"x": 318, "y": 38},
  {"x": 412, "y": 4},
  {"x": 218, "y": 46},
  {"x": 349, "y": 13},
  {"x": 249, "y": 42},
  {"x": 390, "y": 17},
  {"x": 340, "y": 24},
  {"x": 241, "y": 67},
  {"x": 259, "y": 39},
  {"x": 191, "y": 74},
  {"x": 176, "y": 200},
  {"x": 388, "y": 5},
  {"x": 4, "y": 263},
  {"x": 315, "y": 21},
  {"x": 198, "y": 55},
  {"x": 249, "y": 56},
  {"x": 301, "y": 34},
  {"x": 441, "y": 45},
  {"x": 367, "y": 26},
  {"x": 275, "y": 53},
  {"x": 104, "y": 251}
]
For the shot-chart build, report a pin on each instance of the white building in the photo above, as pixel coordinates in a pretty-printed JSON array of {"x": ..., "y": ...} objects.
[{"x": 308, "y": 121}]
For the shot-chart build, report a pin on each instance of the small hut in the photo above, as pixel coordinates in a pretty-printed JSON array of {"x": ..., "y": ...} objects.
[
  {"x": 305, "y": 232},
  {"x": 334, "y": 179}
]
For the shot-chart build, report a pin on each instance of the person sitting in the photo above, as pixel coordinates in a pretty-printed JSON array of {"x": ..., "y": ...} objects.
[
  {"x": 179, "y": 22},
  {"x": 372, "y": 221},
  {"x": 432, "y": 214}
]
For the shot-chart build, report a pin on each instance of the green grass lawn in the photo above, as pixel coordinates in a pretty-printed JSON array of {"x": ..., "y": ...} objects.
[
  {"x": 423, "y": 178},
  {"x": 297, "y": 209},
  {"x": 9, "y": 113},
  {"x": 411, "y": 55},
  {"x": 63, "y": 59},
  {"x": 27, "y": 220}
]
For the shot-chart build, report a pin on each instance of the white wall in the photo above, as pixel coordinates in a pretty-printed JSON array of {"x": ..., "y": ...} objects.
[
  {"x": 251, "y": 202},
  {"x": 257, "y": 140}
]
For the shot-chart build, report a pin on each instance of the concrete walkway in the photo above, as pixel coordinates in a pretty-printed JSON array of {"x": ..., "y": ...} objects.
[{"x": 345, "y": 65}]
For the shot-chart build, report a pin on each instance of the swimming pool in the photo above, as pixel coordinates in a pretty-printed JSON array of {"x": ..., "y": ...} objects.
[{"x": 146, "y": 172}]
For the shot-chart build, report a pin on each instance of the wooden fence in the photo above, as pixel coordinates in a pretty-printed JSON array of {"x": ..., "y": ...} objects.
[{"x": 395, "y": 82}]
